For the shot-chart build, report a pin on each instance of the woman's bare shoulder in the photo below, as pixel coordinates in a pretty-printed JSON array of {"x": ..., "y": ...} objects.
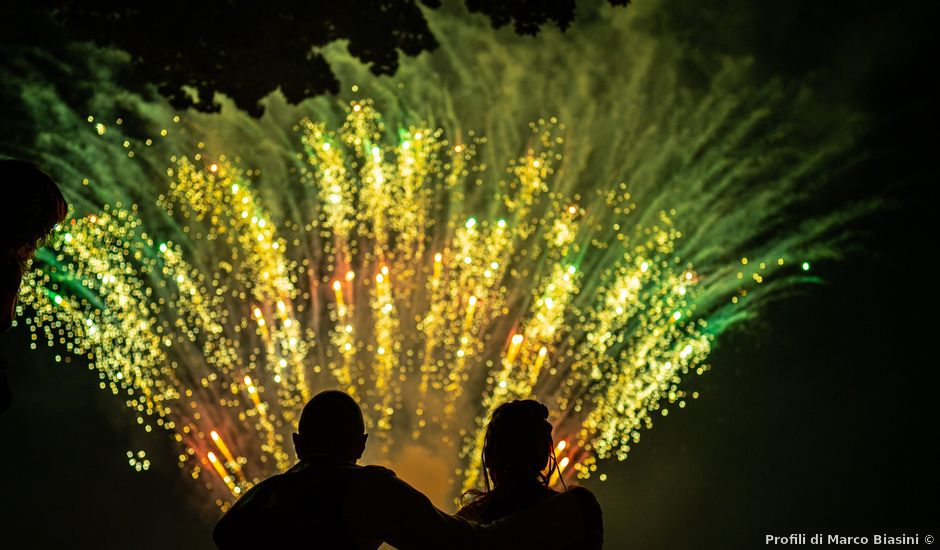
[{"x": 471, "y": 512}]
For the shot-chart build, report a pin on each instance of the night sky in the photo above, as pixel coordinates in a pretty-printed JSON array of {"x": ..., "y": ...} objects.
[{"x": 820, "y": 414}]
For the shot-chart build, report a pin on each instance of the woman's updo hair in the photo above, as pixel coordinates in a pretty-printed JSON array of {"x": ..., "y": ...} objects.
[{"x": 518, "y": 444}]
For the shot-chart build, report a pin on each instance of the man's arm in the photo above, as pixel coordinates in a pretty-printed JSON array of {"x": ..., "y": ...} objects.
[
  {"x": 382, "y": 506},
  {"x": 569, "y": 520}
]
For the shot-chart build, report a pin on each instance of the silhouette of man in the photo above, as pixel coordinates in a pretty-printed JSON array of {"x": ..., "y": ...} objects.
[
  {"x": 328, "y": 501},
  {"x": 32, "y": 205}
]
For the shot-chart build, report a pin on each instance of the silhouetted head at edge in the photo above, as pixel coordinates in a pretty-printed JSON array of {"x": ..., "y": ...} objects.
[
  {"x": 31, "y": 205},
  {"x": 331, "y": 425}
]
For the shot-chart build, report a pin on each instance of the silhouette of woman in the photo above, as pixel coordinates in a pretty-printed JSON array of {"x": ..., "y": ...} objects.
[{"x": 518, "y": 457}]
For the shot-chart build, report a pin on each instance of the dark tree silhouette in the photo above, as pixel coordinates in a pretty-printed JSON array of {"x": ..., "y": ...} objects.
[
  {"x": 528, "y": 16},
  {"x": 247, "y": 48}
]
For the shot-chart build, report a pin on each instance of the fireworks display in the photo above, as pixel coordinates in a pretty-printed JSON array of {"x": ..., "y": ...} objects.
[
  {"x": 215, "y": 280},
  {"x": 386, "y": 286}
]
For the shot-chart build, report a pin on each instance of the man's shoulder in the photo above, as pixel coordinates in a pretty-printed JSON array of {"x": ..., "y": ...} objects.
[
  {"x": 261, "y": 492},
  {"x": 296, "y": 480},
  {"x": 380, "y": 480},
  {"x": 374, "y": 470},
  {"x": 342, "y": 470},
  {"x": 375, "y": 475}
]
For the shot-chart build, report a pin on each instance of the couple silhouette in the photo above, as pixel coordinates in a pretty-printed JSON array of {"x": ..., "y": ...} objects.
[{"x": 329, "y": 501}]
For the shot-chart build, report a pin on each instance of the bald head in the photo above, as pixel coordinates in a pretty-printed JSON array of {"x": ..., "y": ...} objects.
[{"x": 331, "y": 424}]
